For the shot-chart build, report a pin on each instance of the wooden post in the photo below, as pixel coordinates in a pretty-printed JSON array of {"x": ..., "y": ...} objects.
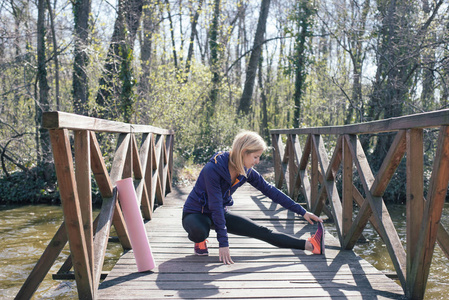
[
  {"x": 292, "y": 166},
  {"x": 347, "y": 187},
  {"x": 83, "y": 183},
  {"x": 415, "y": 194},
  {"x": 432, "y": 214},
  {"x": 314, "y": 176},
  {"x": 72, "y": 212},
  {"x": 278, "y": 152}
]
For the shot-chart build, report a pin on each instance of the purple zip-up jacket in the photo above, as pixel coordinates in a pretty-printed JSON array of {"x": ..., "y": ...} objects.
[{"x": 213, "y": 192}]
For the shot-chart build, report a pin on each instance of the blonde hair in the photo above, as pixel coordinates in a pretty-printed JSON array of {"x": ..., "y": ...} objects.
[{"x": 245, "y": 142}]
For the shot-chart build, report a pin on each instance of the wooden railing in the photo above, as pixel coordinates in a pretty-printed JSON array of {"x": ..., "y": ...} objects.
[
  {"x": 311, "y": 172},
  {"x": 151, "y": 166}
]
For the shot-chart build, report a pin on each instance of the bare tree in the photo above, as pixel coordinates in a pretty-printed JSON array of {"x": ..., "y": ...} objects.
[
  {"x": 194, "y": 22},
  {"x": 251, "y": 70},
  {"x": 42, "y": 102},
  {"x": 115, "y": 94},
  {"x": 80, "y": 81},
  {"x": 150, "y": 27},
  {"x": 303, "y": 21}
]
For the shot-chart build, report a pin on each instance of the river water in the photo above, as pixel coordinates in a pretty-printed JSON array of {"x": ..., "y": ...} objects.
[{"x": 25, "y": 232}]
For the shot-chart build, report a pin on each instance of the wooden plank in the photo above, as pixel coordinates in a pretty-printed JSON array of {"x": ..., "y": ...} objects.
[
  {"x": 99, "y": 168},
  {"x": 150, "y": 185},
  {"x": 60, "y": 120},
  {"x": 261, "y": 271},
  {"x": 320, "y": 203},
  {"x": 164, "y": 168},
  {"x": 347, "y": 186},
  {"x": 298, "y": 178},
  {"x": 102, "y": 232},
  {"x": 83, "y": 183},
  {"x": 169, "y": 144},
  {"x": 153, "y": 173},
  {"x": 158, "y": 171},
  {"x": 278, "y": 152},
  {"x": 330, "y": 185},
  {"x": 120, "y": 157},
  {"x": 105, "y": 186},
  {"x": 136, "y": 163},
  {"x": 386, "y": 228},
  {"x": 336, "y": 159},
  {"x": 414, "y": 192},
  {"x": 314, "y": 177},
  {"x": 389, "y": 164},
  {"x": 306, "y": 153},
  {"x": 44, "y": 264},
  {"x": 432, "y": 214},
  {"x": 70, "y": 204},
  {"x": 292, "y": 166},
  {"x": 443, "y": 239},
  {"x": 144, "y": 154},
  {"x": 358, "y": 198},
  {"x": 139, "y": 180},
  {"x": 422, "y": 120}
]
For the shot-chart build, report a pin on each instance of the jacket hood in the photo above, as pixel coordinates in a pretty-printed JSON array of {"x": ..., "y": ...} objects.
[{"x": 221, "y": 159}]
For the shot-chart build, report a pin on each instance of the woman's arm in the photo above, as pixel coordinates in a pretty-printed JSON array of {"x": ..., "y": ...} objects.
[
  {"x": 256, "y": 180},
  {"x": 215, "y": 203}
]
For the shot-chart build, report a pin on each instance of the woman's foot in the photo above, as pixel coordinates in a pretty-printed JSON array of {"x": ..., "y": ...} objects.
[
  {"x": 201, "y": 248},
  {"x": 317, "y": 240}
]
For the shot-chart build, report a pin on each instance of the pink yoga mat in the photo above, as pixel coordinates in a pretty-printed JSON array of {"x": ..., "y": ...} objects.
[{"x": 134, "y": 224}]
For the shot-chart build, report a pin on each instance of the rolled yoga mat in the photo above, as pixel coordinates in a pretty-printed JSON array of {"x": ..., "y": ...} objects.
[{"x": 134, "y": 224}]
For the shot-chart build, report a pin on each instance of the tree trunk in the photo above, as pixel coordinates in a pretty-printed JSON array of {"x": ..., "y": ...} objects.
[
  {"x": 303, "y": 14},
  {"x": 114, "y": 97},
  {"x": 193, "y": 33},
  {"x": 251, "y": 71},
  {"x": 55, "y": 53},
  {"x": 357, "y": 55},
  {"x": 398, "y": 59},
  {"x": 263, "y": 95},
  {"x": 80, "y": 81},
  {"x": 42, "y": 103},
  {"x": 172, "y": 34},
  {"x": 214, "y": 63},
  {"x": 149, "y": 27}
]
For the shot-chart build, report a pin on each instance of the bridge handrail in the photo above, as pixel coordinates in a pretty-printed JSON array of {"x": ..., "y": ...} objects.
[
  {"x": 309, "y": 170},
  {"x": 421, "y": 120},
  {"x": 63, "y": 120},
  {"x": 150, "y": 165}
]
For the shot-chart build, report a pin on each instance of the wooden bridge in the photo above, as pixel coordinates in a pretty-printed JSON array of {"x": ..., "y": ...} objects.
[{"x": 261, "y": 271}]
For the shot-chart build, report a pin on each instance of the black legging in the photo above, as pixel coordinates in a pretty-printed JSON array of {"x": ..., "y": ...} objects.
[{"x": 198, "y": 227}]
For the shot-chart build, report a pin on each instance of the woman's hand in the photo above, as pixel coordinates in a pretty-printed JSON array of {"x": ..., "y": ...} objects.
[
  {"x": 311, "y": 217},
  {"x": 225, "y": 255}
]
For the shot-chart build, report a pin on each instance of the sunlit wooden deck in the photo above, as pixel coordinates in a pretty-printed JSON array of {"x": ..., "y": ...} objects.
[{"x": 261, "y": 271}]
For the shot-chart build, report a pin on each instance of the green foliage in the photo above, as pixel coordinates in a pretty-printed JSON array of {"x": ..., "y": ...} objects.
[{"x": 28, "y": 187}]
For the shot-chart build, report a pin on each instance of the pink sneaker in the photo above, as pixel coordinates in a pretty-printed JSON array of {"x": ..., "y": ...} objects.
[
  {"x": 201, "y": 248},
  {"x": 317, "y": 240}
]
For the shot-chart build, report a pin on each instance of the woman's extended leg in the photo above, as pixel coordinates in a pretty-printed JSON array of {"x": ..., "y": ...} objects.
[{"x": 241, "y": 225}]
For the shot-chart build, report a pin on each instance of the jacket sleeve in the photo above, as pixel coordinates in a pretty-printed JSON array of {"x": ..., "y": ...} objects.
[
  {"x": 257, "y": 181},
  {"x": 215, "y": 203}
]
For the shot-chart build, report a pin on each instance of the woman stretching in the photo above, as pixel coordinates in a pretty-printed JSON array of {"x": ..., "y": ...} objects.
[{"x": 206, "y": 205}]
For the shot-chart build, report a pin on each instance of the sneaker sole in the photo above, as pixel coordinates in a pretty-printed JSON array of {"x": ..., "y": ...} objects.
[
  {"x": 201, "y": 254},
  {"x": 320, "y": 225}
]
